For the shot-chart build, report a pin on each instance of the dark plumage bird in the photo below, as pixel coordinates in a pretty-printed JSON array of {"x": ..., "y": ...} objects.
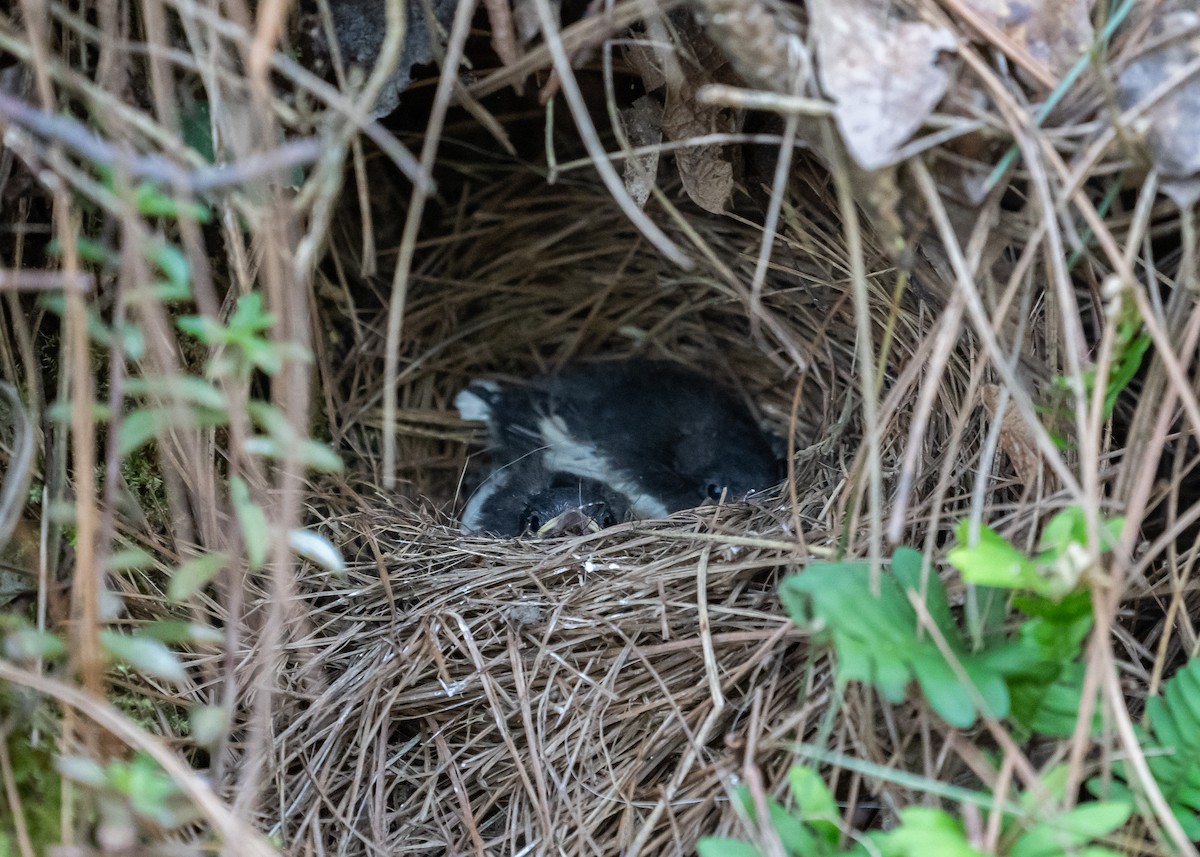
[
  {"x": 523, "y": 497},
  {"x": 662, "y": 436}
]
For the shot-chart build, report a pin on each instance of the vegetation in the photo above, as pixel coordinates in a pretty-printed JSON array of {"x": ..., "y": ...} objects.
[{"x": 949, "y": 255}]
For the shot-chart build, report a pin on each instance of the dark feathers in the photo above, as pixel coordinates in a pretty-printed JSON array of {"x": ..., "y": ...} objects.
[
  {"x": 523, "y": 497},
  {"x": 655, "y": 434}
]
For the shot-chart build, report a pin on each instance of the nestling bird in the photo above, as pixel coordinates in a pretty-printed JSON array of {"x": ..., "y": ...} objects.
[
  {"x": 662, "y": 436},
  {"x": 523, "y": 497}
]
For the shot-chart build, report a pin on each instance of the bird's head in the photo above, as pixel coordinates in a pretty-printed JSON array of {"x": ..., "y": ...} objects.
[
  {"x": 571, "y": 510},
  {"x": 736, "y": 473}
]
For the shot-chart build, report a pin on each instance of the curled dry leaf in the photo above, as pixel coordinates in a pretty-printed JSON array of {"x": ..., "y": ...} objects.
[
  {"x": 1016, "y": 438},
  {"x": 1053, "y": 32},
  {"x": 705, "y": 171},
  {"x": 884, "y": 74},
  {"x": 1171, "y": 127},
  {"x": 642, "y": 124}
]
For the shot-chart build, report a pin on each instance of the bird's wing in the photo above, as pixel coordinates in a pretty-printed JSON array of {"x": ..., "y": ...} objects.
[
  {"x": 506, "y": 410},
  {"x": 564, "y": 451},
  {"x": 481, "y": 515}
]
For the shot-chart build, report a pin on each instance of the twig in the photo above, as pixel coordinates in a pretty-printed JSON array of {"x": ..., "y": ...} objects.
[
  {"x": 591, "y": 142},
  {"x": 412, "y": 225},
  {"x": 27, "y": 280},
  {"x": 76, "y": 137}
]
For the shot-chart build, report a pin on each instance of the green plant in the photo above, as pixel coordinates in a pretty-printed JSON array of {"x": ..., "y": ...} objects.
[
  {"x": 131, "y": 795},
  {"x": 1130, "y": 344},
  {"x": 809, "y": 829},
  {"x": 881, "y": 639},
  {"x": 39, "y": 789},
  {"x": 1030, "y": 827},
  {"x": 1062, "y": 558},
  {"x": 1171, "y": 741},
  {"x": 126, "y": 798}
]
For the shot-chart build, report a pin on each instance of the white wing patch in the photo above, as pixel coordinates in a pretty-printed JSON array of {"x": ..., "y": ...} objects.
[
  {"x": 472, "y": 406},
  {"x": 564, "y": 453},
  {"x": 471, "y": 515}
]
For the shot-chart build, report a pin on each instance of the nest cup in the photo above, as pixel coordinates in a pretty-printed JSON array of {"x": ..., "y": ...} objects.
[{"x": 599, "y": 694}]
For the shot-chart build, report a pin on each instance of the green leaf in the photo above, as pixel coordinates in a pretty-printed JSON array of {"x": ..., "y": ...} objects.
[
  {"x": 1050, "y": 706},
  {"x": 202, "y": 328},
  {"x": 1172, "y": 746},
  {"x": 153, "y": 201},
  {"x": 992, "y": 561},
  {"x": 83, "y": 771},
  {"x": 879, "y": 640},
  {"x": 144, "y": 654},
  {"x": 127, "y": 336},
  {"x": 172, "y": 262},
  {"x": 60, "y": 412},
  {"x": 194, "y": 574},
  {"x": 907, "y": 565},
  {"x": 1067, "y": 526},
  {"x": 719, "y": 846},
  {"x": 138, "y": 428},
  {"x": 89, "y": 251},
  {"x": 795, "y": 836},
  {"x": 1124, "y": 369},
  {"x": 208, "y": 724},
  {"x": 195, "y": 125},
  {"x": 282, "y": 436},
  {"x": 152, "y": 793},
  {"x": 253, "y": 522},
  {"x": 1076, "y": 827},
  {"x": 177, "y": 631},
  {"x": 815, "y": 803},
  {"x": 184, "y": 388},
  {"x": 249, "y": 317},
  {"x": 28, "y": 644},
  {"x": 309, "y": 453},
  {"x": 927, "y": 832},
  {"x": 318, "y": 549},
  {"x": 129, "y": 559}
]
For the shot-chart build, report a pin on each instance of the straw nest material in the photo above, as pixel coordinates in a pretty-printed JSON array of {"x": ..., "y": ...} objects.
[{"x": 601, "y": 694}]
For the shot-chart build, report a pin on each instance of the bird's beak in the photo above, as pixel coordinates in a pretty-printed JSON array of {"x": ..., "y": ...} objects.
[{"x": 572, "y": 522}]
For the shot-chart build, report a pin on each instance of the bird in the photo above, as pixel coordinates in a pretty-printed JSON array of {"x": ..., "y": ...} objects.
[
  {"x": 662, "y": 436},
  {"x": 522, "y": 497}
]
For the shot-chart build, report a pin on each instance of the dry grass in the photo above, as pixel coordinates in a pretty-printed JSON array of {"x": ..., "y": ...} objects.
[
  {"x": 602, "y": 694},
  {"x": 459, "y": 695}
]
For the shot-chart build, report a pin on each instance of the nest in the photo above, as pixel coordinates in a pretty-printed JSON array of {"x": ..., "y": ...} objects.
[{"x": 600, "y": 694}]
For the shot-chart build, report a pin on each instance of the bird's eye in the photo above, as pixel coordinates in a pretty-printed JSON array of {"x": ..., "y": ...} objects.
[
  {"x": 608, "y": 520},
  {"x": 533, "y": 522},
  {"x": 714, "y": 490}
]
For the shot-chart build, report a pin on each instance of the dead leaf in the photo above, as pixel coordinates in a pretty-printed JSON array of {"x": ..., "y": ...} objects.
[
  {"x": 645, "y": 61},
  {"x": 705, "y": 171},
  {"x": 1053, "y": 32},
  {"x": 884, "y": 74},
  {"x": 642, "y": 124},
  {"x": 1172, "y": 126},
  {"x": 1016, "y": 438}
]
